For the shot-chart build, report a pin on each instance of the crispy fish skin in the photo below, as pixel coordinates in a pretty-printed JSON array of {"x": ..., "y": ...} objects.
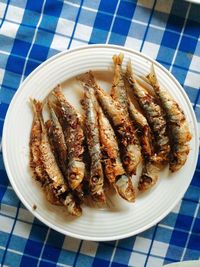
[
  {"x": 178, "y": 126},
  {"x": 36, "y": 164},
  {"x": 56, "y": 178},
  {"x": 144, "y": 130},
  {"x": 112, "y": 163},
  {"x": 150, "y": 169},
  {"x": 149, "y": 174},
  {"x": 118, "y": 91},
  {"x": 130, "y": 149},
  {"x": 74, "y": 139},
  {"x": 35, "y": 140},
  {"x": 96, "y": 177},
  {"x": 58, "y": 139},
  {"x": 154, "y": 115}
]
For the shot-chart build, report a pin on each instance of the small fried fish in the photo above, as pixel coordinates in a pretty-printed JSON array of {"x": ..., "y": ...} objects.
[
  {"x": 74, "y": 139},
  {"x": 96, "y": 176},
  {"x": 130, "y": 148},
  {"x": 154, "y": 115},
  {"x": 56, "y": 179},
  {"x": 178, "y": 127},
  {"x": 36, "y": 164},
  {"x": 114, "y": 170}
]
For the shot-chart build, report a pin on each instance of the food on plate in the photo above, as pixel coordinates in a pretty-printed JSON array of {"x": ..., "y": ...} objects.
[
  {"x": 143, "y": 129},
  {"x": 119, "y": 92},
  {"x": 179, "y": 132},
  {"x": 114, "y": 170},
  {"x": 57, "y": 139},
  {"x": 96, "y": 176},
  {"x": 55, "y": 180},
  {"x": 128, "y": 143},
  {"x": 155, "y": 117},
  {"x": 75, "y": 157},
  {"x": 36, "y": 163},
  {"x": 74, "y": 138}
]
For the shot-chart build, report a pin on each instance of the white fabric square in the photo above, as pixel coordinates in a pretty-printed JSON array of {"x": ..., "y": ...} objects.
[
  {"x": 6, "y": 224},
  {"x": 137, "y": 260},
  {"x": 60, "y": 42},
  {"x": 8, "y": 210},
  {"x": 25, "y": 215},
  {"x": 133, "y": 43},
  {"x": 145, "y": 3},
  {"x": 192, "y": 80},
  {"x": 83, "y": 32},
  {"x": 71, "y": 244},
  {"x": 1, "y": 75},
  {"x": 22, "y": 229},
  {"x": 65, "y": 27},
  {"x": 9, "y": 29},
  {"x": 2, "y": 9},
  {"x": 155, "y": 262},
  {"x": 195, "y": 63},
  {"x": 164, "y": 6},
  {"x": 89, "y": 248},
  {"x": 76, "y": 43},
  {"x": 151, "y": 49},
  {"x": 142, "y": 244},
  {"x": 15, "y": 14},
  {"x": 159, "y": 248}
]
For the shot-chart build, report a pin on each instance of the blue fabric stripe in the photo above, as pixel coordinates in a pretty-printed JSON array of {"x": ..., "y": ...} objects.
[
  {"x": 76, "y": 21},
  {"x": 147, "y": 28},
  {"x": 77, "y": 253},
  {"x": 197, "y": 99},
  {"x": 10, "y": 234},
  {"x": 5, "y": 12},
  {"x": 148, "y": 254}
]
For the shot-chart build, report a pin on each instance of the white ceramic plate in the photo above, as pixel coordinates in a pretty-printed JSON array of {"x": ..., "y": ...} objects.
[
  {"x": 194, "y": 1},
  {"x": 121, "y": 219}
]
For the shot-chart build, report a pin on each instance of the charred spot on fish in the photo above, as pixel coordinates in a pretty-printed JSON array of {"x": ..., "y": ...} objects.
[
  {"x": 146, "y": 179},
  {"x": 82, "y": 102},
  {"x": 112, "y": 160},
  {"x": 126, "y": 160}
]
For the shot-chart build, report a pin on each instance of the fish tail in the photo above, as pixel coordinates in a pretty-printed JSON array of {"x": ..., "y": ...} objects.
[
  {"x": 129, "y": 71},
  {"x": 152, "y": 77},
  {"x": 57, "y": 92},
  {"x": 87, "y": 79},
  {"x": 118, "y": 59},
  {"x": 37, "y": 106}
]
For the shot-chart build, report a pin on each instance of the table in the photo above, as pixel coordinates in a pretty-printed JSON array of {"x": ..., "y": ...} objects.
[{"x": 32, "y": 31}]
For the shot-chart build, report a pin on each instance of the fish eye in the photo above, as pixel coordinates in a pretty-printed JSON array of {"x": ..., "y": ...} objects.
[
  {"x": 95, "y": 179},
  {"x": 126, "y": 159}
]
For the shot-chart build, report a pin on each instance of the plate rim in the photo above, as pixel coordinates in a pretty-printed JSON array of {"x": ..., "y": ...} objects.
[{"x": 6, "y": 163}]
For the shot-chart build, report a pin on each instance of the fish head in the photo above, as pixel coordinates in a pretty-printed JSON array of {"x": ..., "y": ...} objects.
[
  {"x": 76, "y": 172},
  {"x": 124, "y": 188}
]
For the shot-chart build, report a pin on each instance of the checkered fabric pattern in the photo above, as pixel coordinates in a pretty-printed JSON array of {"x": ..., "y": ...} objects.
[{"x": 32, "y": 31}]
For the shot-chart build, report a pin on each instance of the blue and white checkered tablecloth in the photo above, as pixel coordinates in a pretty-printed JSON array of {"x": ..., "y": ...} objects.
[{"x": 34, "y": 30}]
